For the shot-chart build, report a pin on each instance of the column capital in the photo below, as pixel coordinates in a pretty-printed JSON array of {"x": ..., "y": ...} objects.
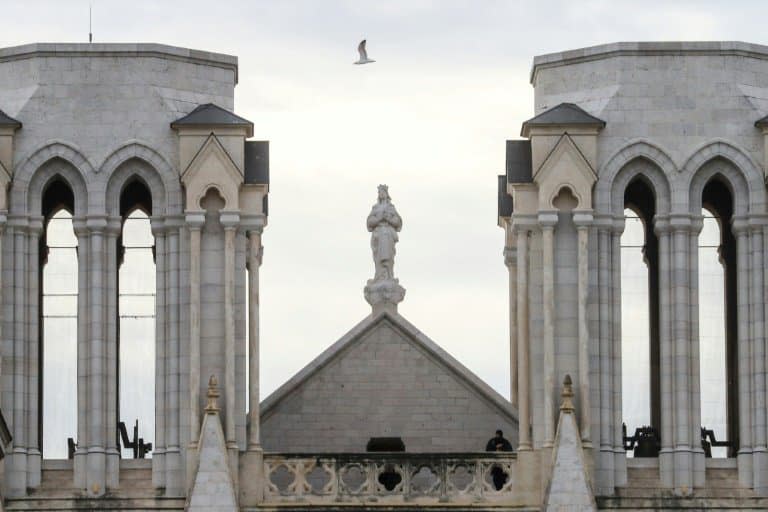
[
  {"x": 96, "y": 223},
  {"x": 35, "y": 225},
  {"x": 230, "y": 220},
  {"x": 583, "y": 218},
  {"x": 758, "y": 221},
  {"x": 740, "y": 225},
  {"x": 547, "y": 219},
  {"x": 194, "y": 219}
]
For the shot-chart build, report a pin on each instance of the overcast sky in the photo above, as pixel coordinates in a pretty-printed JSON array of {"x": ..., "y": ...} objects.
[{"x": 429, "y": 118}]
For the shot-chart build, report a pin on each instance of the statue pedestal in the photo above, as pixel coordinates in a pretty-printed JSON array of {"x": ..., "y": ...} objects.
[{"x": 384, "y": 295}]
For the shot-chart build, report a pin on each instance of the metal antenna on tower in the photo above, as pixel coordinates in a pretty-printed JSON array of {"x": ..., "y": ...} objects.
[{"x": 90, "y": 19}]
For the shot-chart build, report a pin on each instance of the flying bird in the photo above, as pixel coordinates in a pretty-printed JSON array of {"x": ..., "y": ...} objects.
[{"x": 363, "y": 54}]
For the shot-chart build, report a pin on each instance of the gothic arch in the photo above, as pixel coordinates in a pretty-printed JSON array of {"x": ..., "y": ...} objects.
[
  {"x": 637, "y": 158},
  {"x": 56, "y": 158},
  {"x": 739, "y": 171},
  {"x": 136, "y": 159}
]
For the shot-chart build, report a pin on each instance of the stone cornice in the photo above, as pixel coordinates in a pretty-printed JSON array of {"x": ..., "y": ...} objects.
[
  {"x": 153, "y": 50},
  {"x": 642, "y": 49}
]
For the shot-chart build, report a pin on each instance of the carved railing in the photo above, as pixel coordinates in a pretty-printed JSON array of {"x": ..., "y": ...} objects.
[{"x": 389, "y": 478}]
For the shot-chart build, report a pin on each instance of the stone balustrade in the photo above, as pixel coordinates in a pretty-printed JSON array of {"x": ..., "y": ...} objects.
[{"x": 387, "y": 479}]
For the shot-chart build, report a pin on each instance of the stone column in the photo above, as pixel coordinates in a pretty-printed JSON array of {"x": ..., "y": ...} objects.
[
  {"x": 83, "y": 351},
  {"x": 744, "y": 456},
  {"x": 173, "y": 464},
  {"x": 759, "y": 449},
  {"x": 254, "y": 263},
  {"x": 34, "y": 362},
  {"x": 619, "y": 454},
  {"x": 666, "y": 349},
  {"x": 548, "y": 221},
  {"x": 230, "y": 221},
  {"x": 523, "y": 359},
  {"x": 583, "y": 221},
  {"x": 194, "y": 221},
  {"x": 161, "y": 346},
  {"x": 606, "y": 466},
  {"x": 111, "y": 323},
  {"x": 694, "y": 403},
  {"x": 510, "y": 260},
  {"x": 97, "y": 412}
]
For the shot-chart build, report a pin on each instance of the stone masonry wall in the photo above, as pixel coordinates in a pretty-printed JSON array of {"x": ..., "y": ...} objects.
[{"x": 383, "y": 385}]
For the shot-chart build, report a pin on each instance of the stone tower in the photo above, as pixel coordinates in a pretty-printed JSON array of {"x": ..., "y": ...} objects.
[{"x": 662, "y": 129}]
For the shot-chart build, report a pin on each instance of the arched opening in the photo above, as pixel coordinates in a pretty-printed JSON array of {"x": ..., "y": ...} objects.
[
  {"x": 718, "y": 365},
  {"x": 136, "y": 314},
  {"x": 58, "y": 275},
  {"x": 641, "y": 396}
]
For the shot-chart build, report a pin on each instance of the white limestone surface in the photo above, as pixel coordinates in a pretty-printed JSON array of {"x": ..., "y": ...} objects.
[
  {"x": 569, "y": 489},
  {"x": 213, "y": 490}
]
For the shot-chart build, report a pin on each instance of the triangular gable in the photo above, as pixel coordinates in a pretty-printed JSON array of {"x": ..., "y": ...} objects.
[
  {"x": 557, "y": 171},
  {"x": 213, "y": 487},
  {"x": 411, "y": 334}
]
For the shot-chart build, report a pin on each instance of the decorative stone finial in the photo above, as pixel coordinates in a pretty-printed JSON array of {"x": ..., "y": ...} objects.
[
  {"x": 384, "y": 290},
  {"x": 213, "y": 396},
  {"x": 567, "y": 395}
]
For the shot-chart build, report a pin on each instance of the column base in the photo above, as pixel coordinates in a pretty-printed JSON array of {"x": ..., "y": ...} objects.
[{"x": 251, "y": 477}]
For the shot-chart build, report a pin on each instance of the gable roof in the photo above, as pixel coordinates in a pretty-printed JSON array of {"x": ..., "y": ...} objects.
[
  {"x": 762, "y": 122},
  {"x": 6, "y": 120},
  {"x": 563, "y": 114},
  {"x": 413, "y": 335},
  {"x": 210, "y": 114}
]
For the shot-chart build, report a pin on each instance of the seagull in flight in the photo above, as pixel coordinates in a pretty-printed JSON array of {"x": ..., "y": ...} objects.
[{"x": 363, "y": 54}]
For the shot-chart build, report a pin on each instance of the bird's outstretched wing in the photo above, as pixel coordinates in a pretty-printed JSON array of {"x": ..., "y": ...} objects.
[{"x": 361, "y": 51}]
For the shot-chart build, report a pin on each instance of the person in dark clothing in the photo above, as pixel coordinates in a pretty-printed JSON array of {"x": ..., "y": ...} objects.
[{"x": 498, "y": 444}]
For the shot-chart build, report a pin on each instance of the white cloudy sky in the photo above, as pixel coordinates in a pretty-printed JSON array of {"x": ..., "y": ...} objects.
[{"x": 429, "y": 118}]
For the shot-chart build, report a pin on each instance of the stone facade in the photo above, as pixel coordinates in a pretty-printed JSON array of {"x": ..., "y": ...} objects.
[
  {"x": 384, "y": 379},
  {"x": 662, "y": 128},
  {"x": 94, "y": 119}
]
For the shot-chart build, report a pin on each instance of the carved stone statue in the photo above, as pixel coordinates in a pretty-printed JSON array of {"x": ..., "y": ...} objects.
[
  {"x": 384, "y": 291},
  {"x": 384, "y": 223}
]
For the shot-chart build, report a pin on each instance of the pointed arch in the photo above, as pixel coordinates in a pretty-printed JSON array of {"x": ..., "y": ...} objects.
[
  {"x": 136, "y": 159},
  {"x": 738, "y": 171},
  {"x": 658, "y": 167},
  {"x": 54, "y": 159}
]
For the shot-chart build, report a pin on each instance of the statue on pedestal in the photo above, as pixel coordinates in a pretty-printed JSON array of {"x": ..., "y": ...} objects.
[{"x": 384, "y": 222}]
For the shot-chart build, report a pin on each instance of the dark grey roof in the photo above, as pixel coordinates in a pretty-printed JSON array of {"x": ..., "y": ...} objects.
[
  {"x": 763, "y": 121},
  {"x": 6, "y": 120},
  {"x": 212, "y": 115},
  {"x": 519, "y": 167},
  {"x": 562, "y": 115},
  {"x": 505, "y": 200},
  {"x": 257, "y": 162}
]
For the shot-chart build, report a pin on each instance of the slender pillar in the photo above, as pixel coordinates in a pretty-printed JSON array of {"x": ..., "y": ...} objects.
[
  {"x": 161, "y": 347},
  {"x": 666, "y": 349},
  {"x": 194, "y": 221},
  {"x": 254, "y": 263},
  {"x": 744, "y": 456},
  {"x": 173, "y": 468},
  {"x": 548, "y": 221},
  {"x": 97, "y": 413},
  {"x": 619, "y": 454},
  {"x": 510, "y": 260},
  {"x": 111, "y": 323},
  {"x": 759, "y": 449},
  {"x": 607, "y": 458},
  {"x": 20, "y": 417},
  {"x": 583, "y": 222},
  {"x": 34, "y": 361},
  {"x": 523, "y": 360},
  {"x": 694, "y": 403},
  {"x": 230, "y": 221},
  {"x": 83, "y": 352}
]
